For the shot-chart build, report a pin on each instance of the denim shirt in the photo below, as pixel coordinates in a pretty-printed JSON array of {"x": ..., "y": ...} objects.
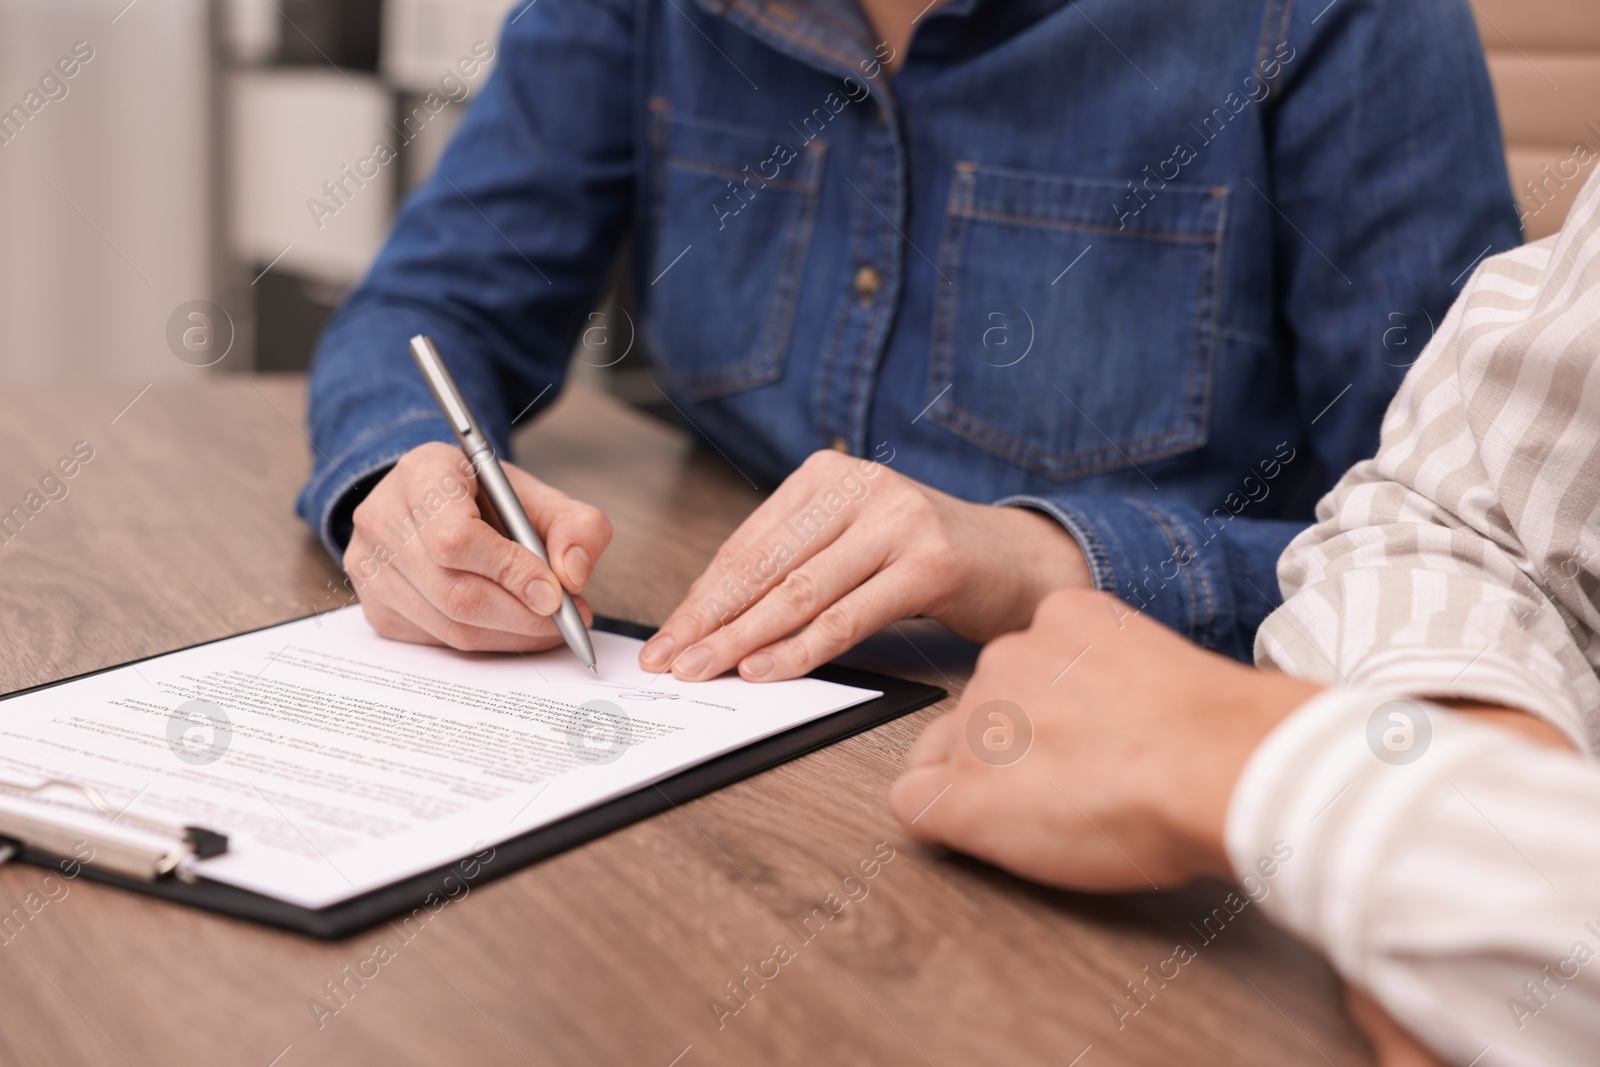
[{"x": 1152, "y": 267}]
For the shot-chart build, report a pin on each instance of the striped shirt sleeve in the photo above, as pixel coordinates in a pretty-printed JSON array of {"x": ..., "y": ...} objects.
[
  {"x": 1459, "y": 885},
  {"x": 1463, "y": 560},
  {"x": 1460, "y": 888}
]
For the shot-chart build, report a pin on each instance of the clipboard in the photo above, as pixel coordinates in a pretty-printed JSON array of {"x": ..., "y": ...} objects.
[{"x": 406, "y": 896}]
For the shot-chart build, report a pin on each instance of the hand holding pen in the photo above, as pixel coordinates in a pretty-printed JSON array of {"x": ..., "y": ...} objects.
[{"x": 432, "y": 569}]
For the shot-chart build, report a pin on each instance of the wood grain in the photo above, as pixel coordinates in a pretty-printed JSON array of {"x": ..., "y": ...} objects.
[{"x": 181, "y": 529}]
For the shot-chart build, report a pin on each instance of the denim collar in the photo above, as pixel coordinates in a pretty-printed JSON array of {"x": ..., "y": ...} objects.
[{"x": 831, "y": 35}]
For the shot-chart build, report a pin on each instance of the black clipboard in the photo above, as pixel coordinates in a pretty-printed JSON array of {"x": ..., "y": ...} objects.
[{"x": 424, "y": 891}]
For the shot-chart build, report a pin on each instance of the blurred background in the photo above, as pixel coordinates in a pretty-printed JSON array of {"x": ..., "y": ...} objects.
[
  {"x": 210, "y": 177},
  {"x": 163, "y": 159}
]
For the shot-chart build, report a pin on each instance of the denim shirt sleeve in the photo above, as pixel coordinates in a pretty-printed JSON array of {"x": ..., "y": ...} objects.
[
  {"x": 1387, "y": 189},
  {"x": 493, "y": 257},
  {"x": 1210, "y": 576}
]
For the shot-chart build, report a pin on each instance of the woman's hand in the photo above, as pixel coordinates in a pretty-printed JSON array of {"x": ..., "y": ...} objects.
[
  {"x": 843, "y": 548},
  {"x": 430, "y": 570}
]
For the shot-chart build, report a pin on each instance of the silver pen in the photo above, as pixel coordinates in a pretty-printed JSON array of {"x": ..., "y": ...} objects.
[{"x": 496, "y": 488}]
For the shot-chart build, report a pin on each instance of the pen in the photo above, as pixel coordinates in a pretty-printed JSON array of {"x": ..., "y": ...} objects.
[{"x": 496, "y": 488}]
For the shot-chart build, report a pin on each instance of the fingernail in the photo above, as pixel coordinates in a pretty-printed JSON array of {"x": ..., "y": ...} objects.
[
  {"x": 692, "y": 662},
  {"x": 543, "y": 596},
  {"x": 758, "y": 666},
  {"x": 657, "y": 650},
  {"x": 578, "y": 565}
]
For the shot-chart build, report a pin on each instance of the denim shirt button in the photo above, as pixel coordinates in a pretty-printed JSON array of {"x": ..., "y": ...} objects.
[
  {"x": 839, "y": 444},
  {"x": 867, "y": 283}
]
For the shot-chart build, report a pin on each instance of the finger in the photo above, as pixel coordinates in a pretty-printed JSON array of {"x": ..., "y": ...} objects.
[
  {"x": 387, "y": 622},
  {"x": 745, "y": 566},
  {"x": 401, "y": 596},
  {"x": 465, "y": 597},
  {"x": 574, "y": 533},
  {"x": 914, "y": 800},
  {"x": 934, "y": 746},
  {"x": 789, "y": 528},
  {"x": 865, "y": 610},
  {"x": 461, "y": 542},
  {"x": 798, "y": 599},
  {"x": 584, "y": 611}
]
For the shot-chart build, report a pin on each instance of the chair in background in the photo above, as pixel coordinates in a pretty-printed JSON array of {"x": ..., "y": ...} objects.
[{"x": 1544, "y": 59}]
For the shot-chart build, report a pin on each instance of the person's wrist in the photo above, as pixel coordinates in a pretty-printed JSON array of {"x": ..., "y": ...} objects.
[
  {"x": 1520, "y": 722},
  {"x": 1039, "y": 556},
  {"x": 1235, "y": 715}
]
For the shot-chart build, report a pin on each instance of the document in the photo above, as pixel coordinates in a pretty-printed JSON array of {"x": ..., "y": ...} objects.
[{"x": 337, "y": 761}]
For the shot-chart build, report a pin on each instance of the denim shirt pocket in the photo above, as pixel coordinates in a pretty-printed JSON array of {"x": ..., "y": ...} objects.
[
  {"x": 1068, "y": 338},
  {"x": 732, "y": 217}
]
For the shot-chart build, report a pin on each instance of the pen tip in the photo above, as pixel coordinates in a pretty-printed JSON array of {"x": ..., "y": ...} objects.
[{"x": 594, "y": 669}]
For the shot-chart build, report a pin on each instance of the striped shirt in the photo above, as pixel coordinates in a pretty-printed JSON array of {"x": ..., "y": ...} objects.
[{"x": 1448, "y": 866}]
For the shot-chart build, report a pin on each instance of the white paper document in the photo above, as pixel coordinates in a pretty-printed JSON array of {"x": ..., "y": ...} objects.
[{"x": 340, "y": 762}]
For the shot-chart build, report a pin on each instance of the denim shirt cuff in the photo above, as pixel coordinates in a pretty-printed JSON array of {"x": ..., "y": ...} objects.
[
  {"x": 372, "y": 453},
  {"x": 1150, "y": 557}
]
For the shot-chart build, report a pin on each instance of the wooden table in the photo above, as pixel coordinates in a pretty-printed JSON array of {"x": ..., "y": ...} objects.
[{"x": 180, "y": 529}]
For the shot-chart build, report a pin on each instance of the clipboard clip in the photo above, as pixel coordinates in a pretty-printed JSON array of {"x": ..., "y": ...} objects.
[{"x": 129, "y": 845}]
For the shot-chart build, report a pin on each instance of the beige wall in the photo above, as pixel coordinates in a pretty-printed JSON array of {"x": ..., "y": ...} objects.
[{"x": 1544, "y": 58}]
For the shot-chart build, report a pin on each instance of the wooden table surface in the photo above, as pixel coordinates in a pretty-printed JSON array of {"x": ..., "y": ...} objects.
[{"x": 181, "y": 529}]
